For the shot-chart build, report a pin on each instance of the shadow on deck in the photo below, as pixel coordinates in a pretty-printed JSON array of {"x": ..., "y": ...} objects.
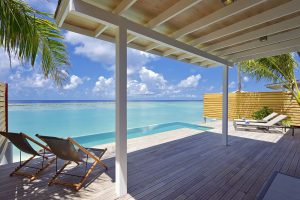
[{"x": 194, "y": 167}]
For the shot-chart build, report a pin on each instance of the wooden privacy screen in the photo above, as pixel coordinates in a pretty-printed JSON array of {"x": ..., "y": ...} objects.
[
  {"x": 3, "y": 119},
  {"x": 244, "y": 104}
]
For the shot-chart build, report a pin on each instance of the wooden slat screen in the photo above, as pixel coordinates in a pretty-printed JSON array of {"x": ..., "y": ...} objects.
[
  {"x": 3, "y": 118},
  {"x": 245, "y": 103}
]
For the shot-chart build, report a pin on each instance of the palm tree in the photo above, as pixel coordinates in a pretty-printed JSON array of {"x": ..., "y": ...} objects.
[
  {"x": 279, "y": 68},
  {"x": 29, "y": 35}
]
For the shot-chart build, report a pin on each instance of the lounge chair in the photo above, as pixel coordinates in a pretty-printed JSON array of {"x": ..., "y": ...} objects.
[
  {"x": 266, "y": 119},
  {"x": 65, "y": 149},
  {"x": 20, "y": 140},
  {"x": 267, "y": 125}
]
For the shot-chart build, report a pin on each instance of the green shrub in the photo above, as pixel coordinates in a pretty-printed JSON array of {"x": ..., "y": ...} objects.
[
  {"x": 262, "y": 113},
  {"x": 286, "y": 122}
]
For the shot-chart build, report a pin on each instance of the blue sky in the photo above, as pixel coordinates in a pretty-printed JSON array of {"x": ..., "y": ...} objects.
[{"x": 91, "y": 75}]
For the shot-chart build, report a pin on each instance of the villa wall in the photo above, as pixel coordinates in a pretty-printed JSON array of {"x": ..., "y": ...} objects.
[
  {"x": 3, "y": 123},
  {"x": 244, "y": 104}
]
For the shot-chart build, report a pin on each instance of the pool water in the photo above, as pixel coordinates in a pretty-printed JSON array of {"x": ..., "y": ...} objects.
[{"x": 108, "y": 137}]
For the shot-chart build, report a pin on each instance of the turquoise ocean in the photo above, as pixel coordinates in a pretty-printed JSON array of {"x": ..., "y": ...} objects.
[{"x": 93, "y": 122}]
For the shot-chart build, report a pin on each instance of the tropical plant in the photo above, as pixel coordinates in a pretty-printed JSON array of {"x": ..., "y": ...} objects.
[
  {"x": 262, "y": 113},
  {"x": 30, "y": 35},
  {"x": 286, "y": 122},
  {"x": 279, "y": 68}
]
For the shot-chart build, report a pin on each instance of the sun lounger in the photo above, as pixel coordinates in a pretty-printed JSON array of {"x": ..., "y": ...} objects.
[
  {"x": 20, "y": 140},
  {"x": 66, "y": 149},
  {"x": 266, "y": 119},
  {"x": 272, "y": 123}
]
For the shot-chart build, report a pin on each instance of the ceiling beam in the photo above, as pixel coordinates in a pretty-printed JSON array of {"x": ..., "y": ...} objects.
[
  {"x": 123, "y": 6},
  {"x": 131, "y": 38},
  {"x": 272, "y": 47},
  {"x": 169, "y": 52},
  {"x": 206, "y": 63},
  {"x": 65, "y": 9},
  {"x": 215, "y": 17},
  {"x": 268, "y": 30},
  {"x": 104, "y": 17},
  {"x": 269, "y": 15},
  {"x": 272, "y": 39},
  {"x": 184, "y": 56},
  {"x": 151, "y": 46},
  {"x": 174, "y": 10},
  {"x": 195, "y": 60},
  {"x": 270, "y": 53},
  {"x": 226, "y": 12},
  {"x": 119, "y": 10}
]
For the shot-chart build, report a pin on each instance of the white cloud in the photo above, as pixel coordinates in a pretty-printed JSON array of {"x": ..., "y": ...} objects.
[
  {"x": 137, "y": 88},
  {"x": 152, "y": 79},
  {"x": 246, "y": 78},
  {"x": 104, "y": 87},
  {"x": 231, "y": 84},
  {"x": 104, "y": 52},
  {"x": 96, "y": 50},
  {"x": 190, "y": 82},
  {"x": 36, "y": 81},
  {"x": 5, "y": 64},
  {"x": 75, "y": 81}
]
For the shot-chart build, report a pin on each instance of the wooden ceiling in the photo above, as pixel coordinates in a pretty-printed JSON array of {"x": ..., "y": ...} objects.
[{"x": 245, "y": 29}]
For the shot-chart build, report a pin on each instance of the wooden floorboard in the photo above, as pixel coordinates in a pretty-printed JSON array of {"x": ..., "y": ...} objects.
[{"x": 184, "y": 164}]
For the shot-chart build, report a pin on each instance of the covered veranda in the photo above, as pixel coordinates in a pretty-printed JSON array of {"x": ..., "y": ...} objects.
[{"x": 206, "y": 33}]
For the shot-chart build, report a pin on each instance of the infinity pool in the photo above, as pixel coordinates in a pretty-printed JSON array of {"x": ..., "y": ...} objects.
[{"x": 108, "y": 137}]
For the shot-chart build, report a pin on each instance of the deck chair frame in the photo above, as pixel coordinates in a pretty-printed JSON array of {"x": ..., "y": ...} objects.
[
  {"x": 265, "y": 126},
  {"x": 24, "y": 164},
  {"x": 88, "y": 171},
  {"x": 264, "y": 120}
]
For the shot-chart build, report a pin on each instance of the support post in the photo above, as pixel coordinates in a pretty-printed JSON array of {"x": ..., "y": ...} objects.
[
  {"x": 121, "y": 111},
  {"x": 225, "y": 107},
  {"x": 9, "y": 149},
  {"x": 239, "y": 79}
]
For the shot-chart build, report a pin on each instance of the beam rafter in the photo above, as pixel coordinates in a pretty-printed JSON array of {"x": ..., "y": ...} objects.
[
  {"x": 268, "y": 30},
  {"x": 174, "y": 10},
  {"x": 269, "y": 53},
  {"x": 269, "y": 15},
  {"x": 215, "y": 17},
  {"x": 268, "y": 48},
  {"x": 119, "y": 10},
  {"x": 273, "y": 39},
  {"x": 226, "y": 12}
]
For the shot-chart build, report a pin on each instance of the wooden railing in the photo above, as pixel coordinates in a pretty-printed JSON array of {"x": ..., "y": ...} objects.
[
  {"x": 4, "y": 144},
  {"x": 245, "y": 103}
]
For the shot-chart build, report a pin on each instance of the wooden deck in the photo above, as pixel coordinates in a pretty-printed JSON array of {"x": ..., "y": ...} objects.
[{"x": 180, "y": 164}]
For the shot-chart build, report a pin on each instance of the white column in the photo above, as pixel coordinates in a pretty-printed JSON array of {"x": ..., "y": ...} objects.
[
  {"x": 225, "y": 107},
  {"x": 121, "y": 111},
  {"x": 239, "y": 79}
]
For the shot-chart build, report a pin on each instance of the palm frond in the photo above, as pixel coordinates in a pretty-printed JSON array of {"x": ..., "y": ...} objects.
[
  {"x": 28, "y": 34},
  {"x": 279, "y": 68}
]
